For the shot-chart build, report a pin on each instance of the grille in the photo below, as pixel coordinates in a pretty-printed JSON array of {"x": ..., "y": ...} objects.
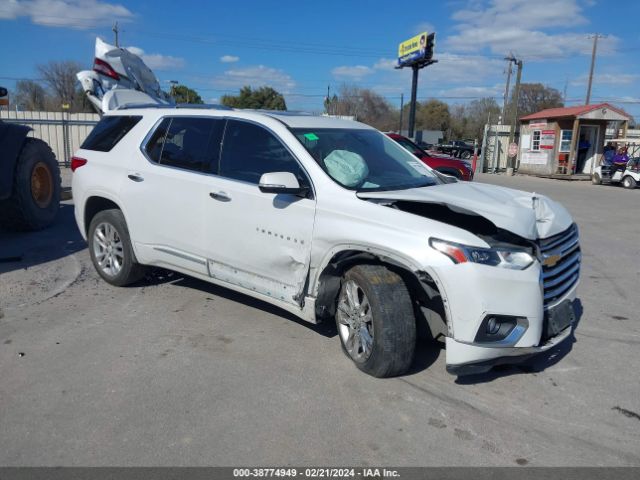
[{"x": 563, "y": 272}]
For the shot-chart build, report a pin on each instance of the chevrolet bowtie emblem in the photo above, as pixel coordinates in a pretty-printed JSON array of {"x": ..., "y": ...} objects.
[{"x": 551, "y": 260}]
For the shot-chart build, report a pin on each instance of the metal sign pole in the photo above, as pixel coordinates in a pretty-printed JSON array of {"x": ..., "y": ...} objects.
[{"x": 412, "y": 108}]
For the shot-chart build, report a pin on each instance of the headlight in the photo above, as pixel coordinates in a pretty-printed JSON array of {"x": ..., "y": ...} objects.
[{"x": 496, "y": 257}]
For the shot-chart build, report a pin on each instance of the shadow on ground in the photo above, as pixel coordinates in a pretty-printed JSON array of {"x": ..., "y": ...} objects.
[{"x": 22, "y": 250}]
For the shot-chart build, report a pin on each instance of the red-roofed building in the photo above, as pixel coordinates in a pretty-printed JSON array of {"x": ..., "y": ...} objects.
[{"x": 566, "y": 140}]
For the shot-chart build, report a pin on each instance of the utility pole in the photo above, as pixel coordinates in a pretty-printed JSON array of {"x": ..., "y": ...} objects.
[
  {"x": 401, "y": 112},
  {"x": 510, "y": 59},
  {"x": 595, "y": 37},
  {"x": 116, "y": 31},
  {"x": 516, "y": 98}
]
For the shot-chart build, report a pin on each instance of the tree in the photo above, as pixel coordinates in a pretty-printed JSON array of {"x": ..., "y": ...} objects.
[
  {"x": 478, "y": 113},
  {"x": 262, "y": 98},
  {"x": 60, "y": 77},
  {"x": 184, "y": 94},
  {"x": 432, "y": 115},
  {"x": 533, "y": 98},
  {"x": 365, "y": 105},
  {"x": 30, "y": 95}
]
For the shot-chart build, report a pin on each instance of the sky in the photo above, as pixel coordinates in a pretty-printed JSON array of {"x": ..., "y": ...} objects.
[{"x": 302, "y": 48}]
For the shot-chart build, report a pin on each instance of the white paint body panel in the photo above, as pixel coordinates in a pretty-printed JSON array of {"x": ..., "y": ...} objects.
[{"x": 230, "y": 244}]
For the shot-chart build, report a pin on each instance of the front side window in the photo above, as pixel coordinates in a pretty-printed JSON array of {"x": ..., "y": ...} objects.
[
  {"x": 535, "y": 140},
  {"x": 109, "y": 131},
  {"x": 250, "y": 150},
  {"x": 365, "y": 160},
  {"x": 189, "y": 143}
]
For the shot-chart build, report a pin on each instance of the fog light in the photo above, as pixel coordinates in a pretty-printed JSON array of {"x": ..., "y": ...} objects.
[
  {"x": 492, "y": 326},
  {"x": 501, "y": 330}
]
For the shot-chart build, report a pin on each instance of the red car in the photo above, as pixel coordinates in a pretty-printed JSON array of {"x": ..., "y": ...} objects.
[{"x": 443, "y": 164}]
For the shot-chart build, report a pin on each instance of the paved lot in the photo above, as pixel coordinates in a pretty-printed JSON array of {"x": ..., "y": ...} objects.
[{"x": 178, "y": 372}]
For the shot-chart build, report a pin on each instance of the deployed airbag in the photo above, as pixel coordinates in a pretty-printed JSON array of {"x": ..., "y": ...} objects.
[{"x": 347, "y": 168}]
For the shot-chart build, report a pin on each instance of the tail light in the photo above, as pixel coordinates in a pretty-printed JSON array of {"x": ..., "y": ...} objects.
[
  {"x": 77, "y": 162},
  {"x": 104, "y": 68}
]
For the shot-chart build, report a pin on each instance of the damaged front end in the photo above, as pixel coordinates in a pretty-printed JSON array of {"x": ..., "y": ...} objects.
[{"x": 512, "y": 297}]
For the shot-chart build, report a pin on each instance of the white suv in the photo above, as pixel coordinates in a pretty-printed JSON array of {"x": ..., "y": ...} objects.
[{"x": 329, "y": 219}]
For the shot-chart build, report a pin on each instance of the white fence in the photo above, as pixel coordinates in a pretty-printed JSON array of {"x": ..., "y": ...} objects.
[{"x": 64, "y": 132}]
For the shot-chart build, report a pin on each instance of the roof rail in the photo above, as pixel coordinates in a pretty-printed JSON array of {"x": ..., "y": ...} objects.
[{"x": 129, "y": 106}]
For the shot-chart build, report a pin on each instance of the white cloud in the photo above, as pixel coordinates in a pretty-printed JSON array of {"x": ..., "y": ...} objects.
[
  {"x": 608, "y": 79},
  {"x": 356, "y": 72},
  {"x": 229, "y": 59},
  {"x": 519, "y": 26},
  {"x": 385, "y": 64},
  {"x": 256, "y": 76},
  {"x": 472, "y": 92},
  {"x": 156, "y": 61},
  {"x": 423, "y": 27},
  {"x": 78, "y": 14}
]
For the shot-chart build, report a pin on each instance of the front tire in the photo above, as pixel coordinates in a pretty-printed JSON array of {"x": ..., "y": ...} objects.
[
  {"x": 596, "y": 180},
  {"x": 110, "y": 249},
  {"x": 375, "y": 321},
  {"x": 629, "y": 182}
]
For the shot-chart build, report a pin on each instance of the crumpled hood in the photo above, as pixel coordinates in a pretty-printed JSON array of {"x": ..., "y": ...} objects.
[{"x": 529, "y": 215}]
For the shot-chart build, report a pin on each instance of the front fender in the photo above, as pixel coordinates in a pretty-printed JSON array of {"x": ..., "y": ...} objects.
[{"x": 12, "y": 138}]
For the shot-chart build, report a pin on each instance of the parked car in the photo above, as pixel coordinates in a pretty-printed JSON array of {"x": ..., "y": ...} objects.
[
  {"x": 331, "y": 220},
  {"x": 441, "y": 163}
]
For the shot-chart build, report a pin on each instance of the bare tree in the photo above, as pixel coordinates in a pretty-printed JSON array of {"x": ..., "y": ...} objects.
[
  {"x": 60, "y": 77},
  {"x": 364, "y": 104},
  {"x": 30, "y": 95}
]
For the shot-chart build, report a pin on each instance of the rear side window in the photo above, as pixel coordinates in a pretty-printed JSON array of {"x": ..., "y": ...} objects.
[
  {"x": 109, "y": 131},
  {"x": 187, "y": 143}
]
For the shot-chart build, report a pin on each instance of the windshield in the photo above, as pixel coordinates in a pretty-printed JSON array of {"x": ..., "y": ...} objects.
[{"x": 365, "y": 160}]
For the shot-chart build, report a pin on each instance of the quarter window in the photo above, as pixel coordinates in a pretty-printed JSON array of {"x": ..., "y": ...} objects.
[
  {"x": 250, "y": 150},
  {"x": 535, "y": 140},
  {"x": 109, "y": 131}
]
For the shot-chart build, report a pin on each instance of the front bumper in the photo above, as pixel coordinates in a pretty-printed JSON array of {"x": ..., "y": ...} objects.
[{"x": 474, "y": 292}]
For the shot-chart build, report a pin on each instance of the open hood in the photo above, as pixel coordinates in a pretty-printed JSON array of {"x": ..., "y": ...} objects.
[
  {"x": 120, "y": 78},
  {"x": 528, "y": 215}
]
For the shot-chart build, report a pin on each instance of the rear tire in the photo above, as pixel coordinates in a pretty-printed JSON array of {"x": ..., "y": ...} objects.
[
  {"x": 110, "y": 249},
  {"x": 35, "y": 196},
  {"x": 595, "y": 179},
  {"x": 629, "y": 182},
  {"x": 466, "y": 154},
  {"x": 375, "y": 320}
]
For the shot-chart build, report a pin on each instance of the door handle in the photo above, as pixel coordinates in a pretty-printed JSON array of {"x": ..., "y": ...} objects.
[
  {"x": 136, "y": 177},
  {"x": 222, "y": 196}
]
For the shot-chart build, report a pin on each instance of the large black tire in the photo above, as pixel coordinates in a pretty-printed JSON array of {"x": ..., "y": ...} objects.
[
  {"x": 629, "y": 182},
  {"x": 35, "y": 196},
  {"x": 129, "y": 270},
  {"x": 392, "y": 325}
]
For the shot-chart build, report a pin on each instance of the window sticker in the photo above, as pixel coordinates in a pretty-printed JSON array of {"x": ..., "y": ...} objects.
[
  {"x": 419, "y": 167},
  {"x": 311, "y": 136}
]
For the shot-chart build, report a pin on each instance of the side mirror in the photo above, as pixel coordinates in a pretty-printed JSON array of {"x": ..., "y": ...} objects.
[
  {"x": 281, "y": 182},
  {"x": 3, "y": 92}
]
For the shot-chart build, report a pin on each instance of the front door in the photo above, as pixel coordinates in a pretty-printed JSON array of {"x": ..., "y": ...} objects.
[
  {"x": 255, "y": 240},
  {"x": 587, "y": 156}
]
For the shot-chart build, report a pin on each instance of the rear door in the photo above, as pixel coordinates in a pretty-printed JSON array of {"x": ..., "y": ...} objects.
[
  {"x": 167, "y": 191},
  {"x": 260, "y": 241}
]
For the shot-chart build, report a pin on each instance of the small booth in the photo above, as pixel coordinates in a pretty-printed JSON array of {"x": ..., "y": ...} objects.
[{"x": 568, "y": 140}]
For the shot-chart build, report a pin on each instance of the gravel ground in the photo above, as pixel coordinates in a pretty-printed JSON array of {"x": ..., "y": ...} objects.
[{"x": 175, "y": 371}]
